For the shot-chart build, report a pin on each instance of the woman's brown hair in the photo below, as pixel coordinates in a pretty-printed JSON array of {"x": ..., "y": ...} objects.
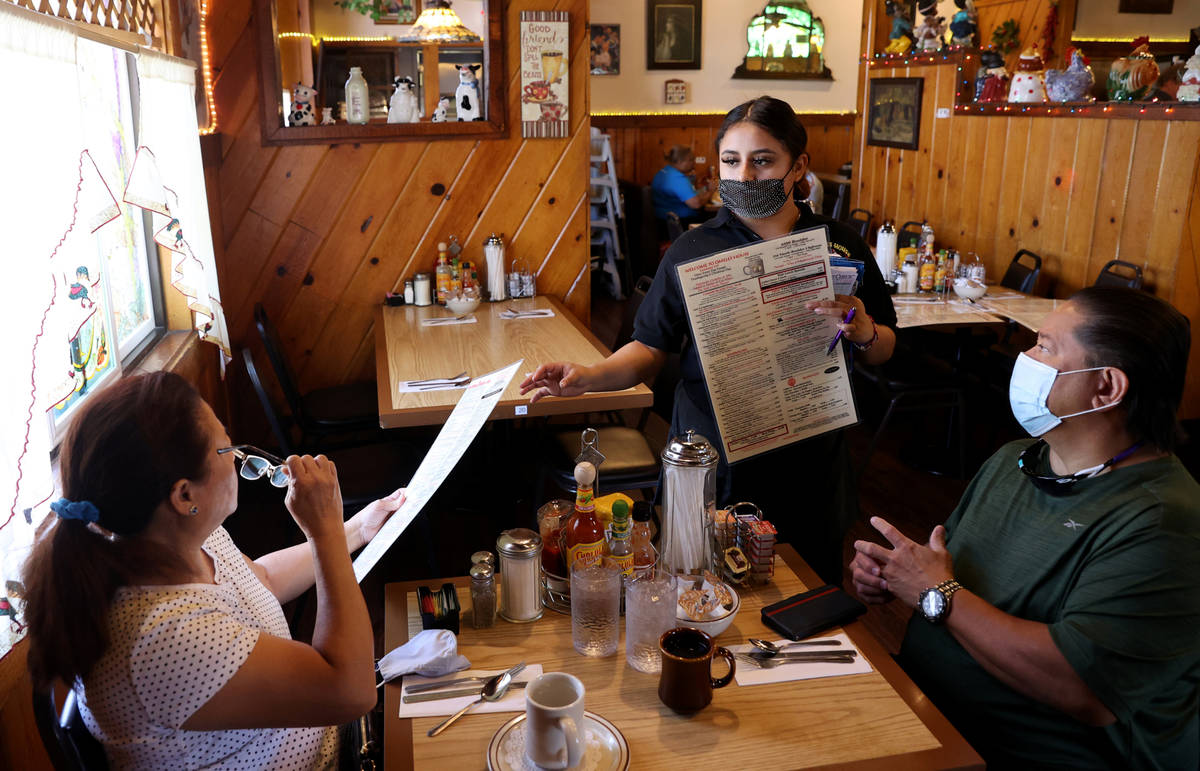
[{"x": 126, "y": 448}]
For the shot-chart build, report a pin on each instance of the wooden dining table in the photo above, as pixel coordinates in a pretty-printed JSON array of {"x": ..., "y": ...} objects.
[
  {"x": 408, "y": 349},
  {"x": 999, "y": 304},
  {"x": 877, "y": 720}
]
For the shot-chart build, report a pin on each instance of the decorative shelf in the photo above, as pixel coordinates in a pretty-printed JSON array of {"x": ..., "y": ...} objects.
[{"x": 1129, "y": 110}]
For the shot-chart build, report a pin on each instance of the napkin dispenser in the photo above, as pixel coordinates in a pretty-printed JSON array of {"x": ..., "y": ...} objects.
[{"x": 803, "y": 615}]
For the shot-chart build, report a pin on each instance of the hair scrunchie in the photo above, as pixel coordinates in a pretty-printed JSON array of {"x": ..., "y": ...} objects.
[{"x": 81, "y": 510}]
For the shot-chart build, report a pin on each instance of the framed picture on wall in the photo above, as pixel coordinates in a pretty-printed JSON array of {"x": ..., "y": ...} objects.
[
  {"x": 894, "y": 112},
  {"x": 1146, "y": 6},
  {"x": 398, "y": 11},
  {"x": 673, "y": 32},
  {"x": 606, "y": 49}
]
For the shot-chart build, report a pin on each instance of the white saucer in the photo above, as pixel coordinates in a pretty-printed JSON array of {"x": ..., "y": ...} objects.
[{"x": 607, "y": 749}]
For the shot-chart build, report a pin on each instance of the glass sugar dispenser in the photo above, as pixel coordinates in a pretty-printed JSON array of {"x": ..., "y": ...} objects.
[
  {"x": 520, "y": 552},
  {"x": 689, "y": 482}
]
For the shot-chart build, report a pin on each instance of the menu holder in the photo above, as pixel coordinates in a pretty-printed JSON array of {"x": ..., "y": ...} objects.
[{"x": 803, "y": 615}]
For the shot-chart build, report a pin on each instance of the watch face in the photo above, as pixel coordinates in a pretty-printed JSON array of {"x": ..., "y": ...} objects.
[{"x": 932, "y": 603}]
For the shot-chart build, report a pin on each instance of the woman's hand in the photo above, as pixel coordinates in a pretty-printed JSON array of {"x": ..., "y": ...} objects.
[
  {"x": 366, "y": 524},
  {"x": 860, "y": 330},
  {"x": 908, "y": 568},
  {"x": 559, "y": 378},
  {"x": 314, "y": 498}
]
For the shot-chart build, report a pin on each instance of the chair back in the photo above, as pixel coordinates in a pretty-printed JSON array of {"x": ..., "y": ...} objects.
[
  {"x": 1022, "y": 273},
  {"x": 641, "y": 228},
  {"x": 909, "y": 235},
  {"x": 274, "y": 418},
  {"x": 674, "y": 226},
  {"x": 860, "y": 220},
  {"x": 1120, "y": 273},
  {"x": 837, "y": 197},
  {"x": 68, "y": 742},
  {"x": 640, "y": 288},
  {"x": 283, "y": 371}
]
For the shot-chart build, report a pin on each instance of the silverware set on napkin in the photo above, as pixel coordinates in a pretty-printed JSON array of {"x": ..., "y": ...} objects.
[
  {"x": 763, "y": 661},
  {"x": 433, "y": 691},
  {"x": 461, "y": 379},
  {"x": 441, "y": 321}
]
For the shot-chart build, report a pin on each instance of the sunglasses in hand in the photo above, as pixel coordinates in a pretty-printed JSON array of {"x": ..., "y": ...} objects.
[{"x": 257, "y": 464}]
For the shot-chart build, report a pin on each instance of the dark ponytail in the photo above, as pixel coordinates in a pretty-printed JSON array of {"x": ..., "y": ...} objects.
[{"x": 126, "y": 448}]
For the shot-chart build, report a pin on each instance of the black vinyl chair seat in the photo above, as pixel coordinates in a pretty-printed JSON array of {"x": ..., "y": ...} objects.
[
  {"x": 1023, "y": 271},
  {"x": 1120, "y": 273},
  {"x": 68, "y": 742}
]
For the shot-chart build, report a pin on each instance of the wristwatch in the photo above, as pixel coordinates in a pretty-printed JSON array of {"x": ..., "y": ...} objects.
[{"x": 934, "y": 602}]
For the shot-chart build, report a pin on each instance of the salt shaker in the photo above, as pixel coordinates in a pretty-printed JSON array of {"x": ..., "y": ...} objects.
[
  {"x": 483, "y": 595},
  {"x": 410, "y": 293},
  {"x": 520, "y": 550}
]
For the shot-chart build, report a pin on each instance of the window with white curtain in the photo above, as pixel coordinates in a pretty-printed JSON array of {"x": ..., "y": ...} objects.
[{"x": 102, "y": 164}]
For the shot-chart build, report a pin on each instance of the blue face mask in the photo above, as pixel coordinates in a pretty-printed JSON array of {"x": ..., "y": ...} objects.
[{"x": 1028, "y": 390}]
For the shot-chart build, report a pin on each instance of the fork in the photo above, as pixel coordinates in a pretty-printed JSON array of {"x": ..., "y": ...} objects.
[
  {"x": 439, "y": 322},
  {"x": 433, "y": 380},
  {"x": 830, "y": 658}
]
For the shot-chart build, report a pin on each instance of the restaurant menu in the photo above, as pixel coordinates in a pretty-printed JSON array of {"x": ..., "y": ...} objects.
[
  {"x": 765, "y": 356},
  {"x": 468, "y": 416}
]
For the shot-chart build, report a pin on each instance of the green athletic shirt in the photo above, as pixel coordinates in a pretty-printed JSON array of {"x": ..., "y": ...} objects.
[{"x": 1114, "y": 569}]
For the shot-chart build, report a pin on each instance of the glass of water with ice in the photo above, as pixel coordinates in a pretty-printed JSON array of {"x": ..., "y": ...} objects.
[
  {"x": 596, "y": 607},
  {"x": 650, "y": 601}
]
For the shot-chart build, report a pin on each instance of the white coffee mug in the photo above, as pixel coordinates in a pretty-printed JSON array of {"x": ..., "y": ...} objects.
[{"x": 554, "y": 735}]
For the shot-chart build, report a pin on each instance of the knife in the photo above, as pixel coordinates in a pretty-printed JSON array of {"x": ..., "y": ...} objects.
[
  {"x": 460, "y": 692},
  {"x": 424, "y": 687},
  {"x": 801, "y": 655}
]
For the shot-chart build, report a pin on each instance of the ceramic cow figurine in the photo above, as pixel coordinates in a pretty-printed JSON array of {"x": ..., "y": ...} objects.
[
  {"x": 302, "y": 113},
  {"x": 403, "y": 106},
  {"x": 466, "y": 96},
  {"x": 439, "y": 115}
]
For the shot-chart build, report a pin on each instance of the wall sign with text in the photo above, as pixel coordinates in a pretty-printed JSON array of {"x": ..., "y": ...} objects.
[{"x": 545, "y": 90}]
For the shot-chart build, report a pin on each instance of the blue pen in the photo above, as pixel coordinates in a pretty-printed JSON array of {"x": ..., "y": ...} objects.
[{"x": 833, "y": 343}]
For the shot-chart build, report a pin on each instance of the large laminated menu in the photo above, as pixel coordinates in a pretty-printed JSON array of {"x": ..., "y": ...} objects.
[{"x": 766, "y": 359}]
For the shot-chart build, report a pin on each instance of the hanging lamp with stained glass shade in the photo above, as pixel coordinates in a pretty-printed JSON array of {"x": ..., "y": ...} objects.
[
  {"x": 438, "y": 23},
  {"x": 785, "y": 41}
]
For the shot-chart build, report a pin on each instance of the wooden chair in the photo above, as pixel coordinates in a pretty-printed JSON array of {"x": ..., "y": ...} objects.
[
  {"x": 1120, "y": 273},
  {"x": 68, "y": 742}
]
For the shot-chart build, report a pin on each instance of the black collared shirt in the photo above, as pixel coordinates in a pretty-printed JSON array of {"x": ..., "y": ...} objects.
[{"x": 662, "y": 321}]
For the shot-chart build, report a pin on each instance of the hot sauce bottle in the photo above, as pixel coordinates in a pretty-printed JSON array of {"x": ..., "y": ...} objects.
[{"x": 584, "y": 535}]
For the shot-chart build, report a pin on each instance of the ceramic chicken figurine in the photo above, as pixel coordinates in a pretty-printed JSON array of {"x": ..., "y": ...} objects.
[
  {"x": 1132, "y": 76},
  {"x": 1074, "y": 84},
  {"x": 901, "y": 38},
  {"x": 1029, "y": 81},
  {"x": 1189, "y": 84},
  {"x": 991, "y": 84}
]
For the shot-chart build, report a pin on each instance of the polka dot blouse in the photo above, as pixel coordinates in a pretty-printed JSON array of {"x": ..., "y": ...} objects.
[{"x": 172, "y": 649}]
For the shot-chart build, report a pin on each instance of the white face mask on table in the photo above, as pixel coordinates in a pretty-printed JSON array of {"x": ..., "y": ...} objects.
[{"x": 1028, "y": 389}]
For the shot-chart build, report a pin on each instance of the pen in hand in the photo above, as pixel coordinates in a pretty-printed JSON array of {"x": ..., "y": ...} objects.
[{"x": 833, "y": 343}]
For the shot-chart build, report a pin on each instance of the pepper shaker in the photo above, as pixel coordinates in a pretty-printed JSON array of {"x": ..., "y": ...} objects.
[{"x": 483, "y": 595}]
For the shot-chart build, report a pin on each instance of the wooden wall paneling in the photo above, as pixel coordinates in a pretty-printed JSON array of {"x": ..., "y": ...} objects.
[
  {"x": 1008, "y": 211},
  {"x": 921, "y": 205},
  {"x": 1032, "y": 165},
  {"x": 567, "y": 266},
  {"x": 1056, "y": 190},
  {"x": 236, "y": 96},
  {"x": 331, "y": 186},
  {"x": 1143, "y": 186},
  {"x": 1185, "y": 294},
  {"x": 995, "y": 168},
  {"x": 241, "y": 172},
  {"x": 954, "y": 223},
  {"x": 1166, "y": 221},
  {"x": 1115, "y": 169},
  {"x": 253, "y": 241},
  {"x": 285, "y": 181},
  {"x": 970, "y": 172},
  {"x": 1083, "y": 195},
  {"x": 940, "y": 95}
]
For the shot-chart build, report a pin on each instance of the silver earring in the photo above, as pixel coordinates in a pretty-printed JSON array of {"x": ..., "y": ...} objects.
[{"x": 193, "y": 511}]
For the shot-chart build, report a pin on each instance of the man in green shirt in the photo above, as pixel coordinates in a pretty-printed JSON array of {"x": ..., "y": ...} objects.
[{"x": 1058, "y": 609}]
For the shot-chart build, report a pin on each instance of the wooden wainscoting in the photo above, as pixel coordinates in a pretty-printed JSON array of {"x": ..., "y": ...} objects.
[
  {"x": 318, "y": 233},
  {"x": 640, "y": 141}
]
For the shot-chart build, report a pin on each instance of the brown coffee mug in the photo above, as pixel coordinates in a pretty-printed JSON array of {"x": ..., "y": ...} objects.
[{"x": 686, "y": 683}]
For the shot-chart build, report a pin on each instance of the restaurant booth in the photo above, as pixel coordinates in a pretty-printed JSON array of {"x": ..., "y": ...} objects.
[{"x": 326, "y": 210}]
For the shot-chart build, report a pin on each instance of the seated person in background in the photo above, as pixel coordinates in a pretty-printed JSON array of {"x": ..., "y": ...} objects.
[
  {"x": 174, "y": 641},
  {"x": 1058, "y": 608},
  {"x": 672, "y": 191}
]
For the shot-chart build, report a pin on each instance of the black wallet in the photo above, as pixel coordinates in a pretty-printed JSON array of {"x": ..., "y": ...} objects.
[{"x": 803, "y": 615}]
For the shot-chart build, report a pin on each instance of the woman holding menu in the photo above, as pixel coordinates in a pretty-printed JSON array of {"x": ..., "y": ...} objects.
[{"x": 805, "y": 488}]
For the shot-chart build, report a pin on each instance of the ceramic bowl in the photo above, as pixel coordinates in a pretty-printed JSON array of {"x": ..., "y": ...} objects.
[
  {"x": 712, "y": 626},
  {"x": 969, "y": 288},
  {"x": 460, "y": 305}
]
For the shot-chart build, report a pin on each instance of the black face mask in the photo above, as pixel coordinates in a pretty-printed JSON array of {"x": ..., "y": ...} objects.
[
  {"x": 754, "y": 199},
  {"x": 1064, "y": 485}
]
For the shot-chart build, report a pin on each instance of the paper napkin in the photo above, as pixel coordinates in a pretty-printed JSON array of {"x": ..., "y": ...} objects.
[
  {"x": 513, "y": 701},
  {"x": 748, "y": 674}
]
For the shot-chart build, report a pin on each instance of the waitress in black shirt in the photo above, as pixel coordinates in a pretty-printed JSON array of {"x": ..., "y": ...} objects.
[{"x": 805, "y": 489}]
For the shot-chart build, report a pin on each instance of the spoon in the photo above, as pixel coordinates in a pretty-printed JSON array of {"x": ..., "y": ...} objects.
[
  {"x": 771, "y": 649},
  {"x": 493, "y": 690}
]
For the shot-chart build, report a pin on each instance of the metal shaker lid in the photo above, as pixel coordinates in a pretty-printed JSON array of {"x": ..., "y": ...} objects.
[
  {"x": 691, "y": 449},
  {"x": 481, "y": 572},
  {"x": 493, "y": 239},
  {"x": 519, "y": 543}
]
